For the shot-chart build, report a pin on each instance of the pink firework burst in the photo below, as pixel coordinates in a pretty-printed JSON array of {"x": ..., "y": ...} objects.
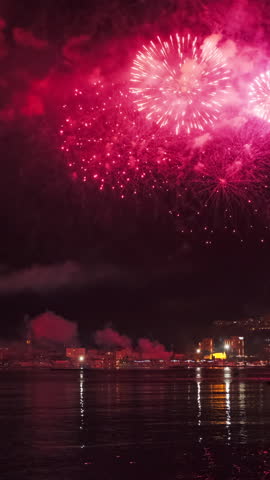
[
  {"x": 259, "y": 95},
  {"x": 106, "y": 142},
  {"x": 227, "y": 188},
  {"x": 232, "y": 175},
  {"x": 179, "y": 84}
]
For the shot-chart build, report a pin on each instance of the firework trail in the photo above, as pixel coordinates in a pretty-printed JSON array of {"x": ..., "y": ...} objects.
[
  {"x": 106, "y": 141},
  {"x": 259, "y": 95},
  {"x": 179, "y": 84}
]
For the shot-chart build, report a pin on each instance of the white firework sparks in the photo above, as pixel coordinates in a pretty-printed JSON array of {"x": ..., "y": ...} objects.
[
  {"x": 179, "y": 84},
  {"x": 259, "y": 93}
]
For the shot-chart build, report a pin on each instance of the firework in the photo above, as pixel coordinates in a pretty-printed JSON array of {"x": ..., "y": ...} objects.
[
  {"x": 259, "y": 94},
  {"x": 179, "y": 84},
  {"x": 106, "y": 142},
  {"x": 227, "y": 187},
  {"x": 232, "y": 175}
]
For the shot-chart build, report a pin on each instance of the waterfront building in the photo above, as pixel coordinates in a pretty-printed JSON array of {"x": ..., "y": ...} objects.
[{"x": 206, "y": 346}]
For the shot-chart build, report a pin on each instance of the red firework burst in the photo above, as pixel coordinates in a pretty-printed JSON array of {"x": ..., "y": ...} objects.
[
  {"x": 259, "y": 94},
  {"x": 179, "y": 84},
  {"x": 106, "y": 142}
]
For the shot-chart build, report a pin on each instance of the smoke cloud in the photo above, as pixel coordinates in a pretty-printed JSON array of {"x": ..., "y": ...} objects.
[
  {"x": 53, "y": 328},
  {"x": 111, "y": 338},
  {"x": 146, "y": 349},
  {"x": 152, "y": 350},
  {"x": 27, "y": 39},
  {"x": 40, "y": 278}
]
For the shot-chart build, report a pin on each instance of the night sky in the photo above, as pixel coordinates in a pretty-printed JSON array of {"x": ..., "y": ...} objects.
[{"x": 89, "y": 256}]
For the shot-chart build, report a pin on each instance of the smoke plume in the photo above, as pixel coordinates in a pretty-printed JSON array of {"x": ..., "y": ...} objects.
[
  {"x": 51, "y": 327},
  {"x": 152, "y": 350},
  {"x": 39, "y": 278},
  {"x": 111, "y": 338}
]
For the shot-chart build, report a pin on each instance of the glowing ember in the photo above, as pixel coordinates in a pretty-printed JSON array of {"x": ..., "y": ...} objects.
[
  {"x": 105, "y": 141},
  {"x": 179, "y": 84},
  {"x": 259, "y": 93}
]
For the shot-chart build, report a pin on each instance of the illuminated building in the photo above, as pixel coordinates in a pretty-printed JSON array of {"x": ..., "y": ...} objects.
[
  {"x": 124, "y": 357},
  {"x": 235, "y": 346},
  {"x": 254, "y": 330},
  {"x": 110, "y": 360},
  {"x": 206, "y": 346},
  {"x": 95, "y": 359},
  {"x": 107, "y": 360}
]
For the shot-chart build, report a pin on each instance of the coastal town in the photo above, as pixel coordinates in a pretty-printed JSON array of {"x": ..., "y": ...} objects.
[{"x": 250, "y": 348}]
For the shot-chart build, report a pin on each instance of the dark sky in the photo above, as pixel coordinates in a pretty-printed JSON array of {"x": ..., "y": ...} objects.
[{"x": 92, "y": 257}]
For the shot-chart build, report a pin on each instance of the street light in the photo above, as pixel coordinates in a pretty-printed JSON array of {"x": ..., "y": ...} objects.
[
  {"x": 227, "y": 346},
  {"x": 81, "y": 358},
  {"x": 198, "y": 350}
]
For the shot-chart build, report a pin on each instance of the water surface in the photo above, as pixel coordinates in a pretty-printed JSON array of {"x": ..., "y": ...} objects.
[{"x": 184, "y": 424}]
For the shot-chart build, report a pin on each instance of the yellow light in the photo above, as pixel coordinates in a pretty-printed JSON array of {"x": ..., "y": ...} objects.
[
  {"x": 198, "y": 350},
  {"x": 220, "y": 356}
]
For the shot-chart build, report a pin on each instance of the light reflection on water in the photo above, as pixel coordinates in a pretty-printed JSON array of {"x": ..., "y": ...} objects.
[
  {"x": 194, "y": 424},
  {"x": 227, "y": 380},
  {"x": 198, "y": 380},
  {"x": 242, "y": 411},
  {"x": 218, "y": 396},
  {"x": 81, "y": 399}
]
